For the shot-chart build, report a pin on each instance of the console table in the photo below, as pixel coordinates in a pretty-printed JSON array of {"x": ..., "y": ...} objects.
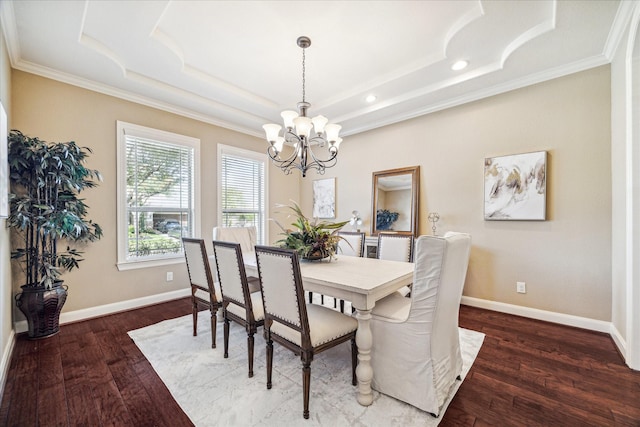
[{"x": 370, "y": 246}]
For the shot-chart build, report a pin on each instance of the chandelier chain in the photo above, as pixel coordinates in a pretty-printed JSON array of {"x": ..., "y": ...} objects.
[{"x": 304, "y": 94}]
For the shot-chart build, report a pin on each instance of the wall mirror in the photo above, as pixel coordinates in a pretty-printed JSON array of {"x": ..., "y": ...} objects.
[{"x": 395, "y": 201}]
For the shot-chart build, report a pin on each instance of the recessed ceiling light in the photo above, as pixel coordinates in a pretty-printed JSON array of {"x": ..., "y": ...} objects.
[
  {"x": 459, "y": 65},
  {"x": 371, "y": 98}
]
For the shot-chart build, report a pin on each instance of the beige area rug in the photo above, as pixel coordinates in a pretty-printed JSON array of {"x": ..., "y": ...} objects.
[{"x": 214, "y": 391}]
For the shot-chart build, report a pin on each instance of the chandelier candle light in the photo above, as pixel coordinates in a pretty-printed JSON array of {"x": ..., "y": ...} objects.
[{"x": 303, "y": 133}]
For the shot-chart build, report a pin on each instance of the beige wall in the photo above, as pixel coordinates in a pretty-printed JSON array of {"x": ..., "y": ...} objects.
[
  {"x": 566, "y": 260},
  {"x": 59, "y": 112}
]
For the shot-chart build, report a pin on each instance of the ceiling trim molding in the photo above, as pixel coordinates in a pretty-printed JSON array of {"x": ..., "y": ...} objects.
[
  {"x": 466, "y": 19},
  {"x": 165, "y": 40},
  {"x": 619, "y": 27},
  {"x": 49, "y": 73},
  {"x": 101, "y": 49},
  {"x": 533, "y": 32},
  {"x": 8, "y": 19},
  {"x": 540, "y": 77}
]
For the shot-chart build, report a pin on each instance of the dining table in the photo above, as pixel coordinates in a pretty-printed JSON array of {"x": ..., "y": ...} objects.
[{"x": 363, "y": 281}]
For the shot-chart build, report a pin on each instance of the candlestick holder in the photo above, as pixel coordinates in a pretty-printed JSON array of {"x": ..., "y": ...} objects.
[{"x": 433, "y": 217}]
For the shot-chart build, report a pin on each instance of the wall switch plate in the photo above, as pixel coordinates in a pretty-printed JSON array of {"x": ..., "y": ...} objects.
[
  {"x": 521, "y": 287},
  {"x": 169, "y": 276}
]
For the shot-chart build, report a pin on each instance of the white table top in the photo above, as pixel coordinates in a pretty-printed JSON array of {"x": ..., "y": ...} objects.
[{"x": 356, "y": 279}]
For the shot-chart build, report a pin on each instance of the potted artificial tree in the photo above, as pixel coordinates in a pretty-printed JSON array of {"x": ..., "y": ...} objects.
[{"x": 46, "y": 211}]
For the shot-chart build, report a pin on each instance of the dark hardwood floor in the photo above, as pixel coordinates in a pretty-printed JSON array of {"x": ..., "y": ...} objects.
[{"x": 528, "y": 373}]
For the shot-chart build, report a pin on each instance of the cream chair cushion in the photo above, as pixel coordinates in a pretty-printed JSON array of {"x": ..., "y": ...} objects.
[
  {"x": 325, "y": 325},
  {"x": 256, "y": 302},
  {"x": 205, "y": 295}
]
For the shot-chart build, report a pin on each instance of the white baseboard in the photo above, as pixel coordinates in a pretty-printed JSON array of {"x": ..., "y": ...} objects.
[
  {"x": 618, "y": 340},
  {"x": 88, "y": 313},
  {"x": 534, "y": 313},
  {"x": 6, "y": 361}
]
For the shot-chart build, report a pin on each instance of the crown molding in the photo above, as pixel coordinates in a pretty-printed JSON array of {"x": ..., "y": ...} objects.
[
  {"x": 49, "y": 73},
  {"x": 10, "y": 31}
]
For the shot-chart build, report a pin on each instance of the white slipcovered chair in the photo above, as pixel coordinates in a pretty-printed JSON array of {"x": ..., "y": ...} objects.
[
  {"x": 416, "y": 346},
  {"x": 247, "y": 237}
]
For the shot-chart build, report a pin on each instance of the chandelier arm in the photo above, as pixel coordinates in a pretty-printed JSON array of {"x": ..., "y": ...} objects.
[
  {"x": 281, "y": 163},
  {"x": 321, "y": 165},
  {"x": 288, "y": 163},
  {"x": 333, "y": 155}
]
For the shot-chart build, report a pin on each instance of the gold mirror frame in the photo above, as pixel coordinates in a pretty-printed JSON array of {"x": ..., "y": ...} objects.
[{"x": 406, "y": 180}]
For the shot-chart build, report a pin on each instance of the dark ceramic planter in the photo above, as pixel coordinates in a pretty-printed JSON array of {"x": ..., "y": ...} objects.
[{"x": 42, "y": 308}]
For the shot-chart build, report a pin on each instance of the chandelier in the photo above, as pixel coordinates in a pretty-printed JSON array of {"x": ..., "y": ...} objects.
[{"x": 308, "y": 136}]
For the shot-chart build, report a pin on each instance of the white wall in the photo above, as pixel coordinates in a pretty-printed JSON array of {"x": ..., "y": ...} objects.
[
  {"x": 625, "y": 159},
  {"x": 6, "y": 296}
]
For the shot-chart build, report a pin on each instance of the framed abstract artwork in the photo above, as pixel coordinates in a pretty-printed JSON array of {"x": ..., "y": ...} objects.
[
  {"x": 4, "y": 165},
  {"x": 324, "y": 198},
  {"x": 515, "y": 187}
]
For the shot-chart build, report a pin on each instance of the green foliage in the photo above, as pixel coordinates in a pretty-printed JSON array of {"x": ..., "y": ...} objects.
[
  {"x": 150, "y": 174},
  {"x": 44, "y": 205},
  {"x": 152, "y": 244},
  {"x": 311, "y": 239}
]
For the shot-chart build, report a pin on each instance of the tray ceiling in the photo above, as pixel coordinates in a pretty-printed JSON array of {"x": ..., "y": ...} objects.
[{"x": 236, "y": 63}]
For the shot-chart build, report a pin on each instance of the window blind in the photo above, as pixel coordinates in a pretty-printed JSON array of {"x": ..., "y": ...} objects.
[
  {"x": 160, "y": 196},
  {"x": 242, "y": 193}
]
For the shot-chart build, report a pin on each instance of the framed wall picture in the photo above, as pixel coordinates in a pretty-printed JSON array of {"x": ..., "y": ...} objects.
[
  {"x": 515, "y": 187},
  {"x": 4, "y": 165},
  {"x": 324, "y": 198}
]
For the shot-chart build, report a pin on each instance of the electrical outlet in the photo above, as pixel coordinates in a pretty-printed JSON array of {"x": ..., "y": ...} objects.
[
  {"x": 169, "y": 276},
  {"x": 521, "y": 288}
]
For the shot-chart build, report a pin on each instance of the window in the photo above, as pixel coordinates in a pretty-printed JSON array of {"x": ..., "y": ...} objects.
[
  {"x": 157, "y": 196},
  {"x": 242, "y": 175}
]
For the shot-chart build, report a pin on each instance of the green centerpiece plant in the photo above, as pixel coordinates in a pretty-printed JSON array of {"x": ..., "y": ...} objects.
[
  {"x": 312, "y": 239},
  {"x": 45, "y": 211}
]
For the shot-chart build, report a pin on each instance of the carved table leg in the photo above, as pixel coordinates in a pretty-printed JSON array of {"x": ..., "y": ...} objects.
[{"x": 364, "y": 371}]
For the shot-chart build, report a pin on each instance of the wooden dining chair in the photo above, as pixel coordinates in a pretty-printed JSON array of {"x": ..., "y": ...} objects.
[
  {"x": 305, "y": 329},
  {"x": 239, "y": 304},
  {"x": 396, "y": 247},
  {"x": 204, "y": 292},
  {"x": 350, "y": 244}
]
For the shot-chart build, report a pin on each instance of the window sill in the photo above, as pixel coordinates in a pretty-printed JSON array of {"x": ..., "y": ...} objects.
[{"x": 158, "y": 262}]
